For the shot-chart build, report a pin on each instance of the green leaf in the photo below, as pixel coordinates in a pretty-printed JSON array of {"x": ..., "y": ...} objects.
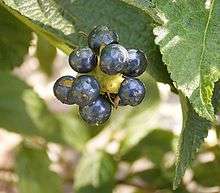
[
  {"x": 95, "y": 173},
  {"x": 42, "y": 119},
  {"x": 66, "y": 25},
  {"x": 22, "y": 111},
  {"x": 13, "y": 112},
  {"x": 14, "y": 40},
  {"x": 147, "y": 6},
  {"x": 46, "y": 54},
  {"x": 194, "y": 130},
  {"x": 189, "y": 41},
  {"x": 32, "y": 168},
  {"x": 154, "y": 146}
]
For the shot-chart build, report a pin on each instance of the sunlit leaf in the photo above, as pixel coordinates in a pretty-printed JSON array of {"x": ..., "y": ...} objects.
[
  {"x": 189, "y": 41},
  {"x": 95, "y": 173}
]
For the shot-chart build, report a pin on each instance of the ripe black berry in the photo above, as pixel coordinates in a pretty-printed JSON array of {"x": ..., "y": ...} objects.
[
  {"x": 85, "y": 90},
  {"x": 97, "y": 112},
  {"x": 111, "y": 68},
  {"x": 137, "y": 63},
  {"x": 83, "y": 60},
  {"x": 131, "y": 92},
  {"x": 113, "y": 59},
  {"x": 62, "y": 88},
  {"x": 101, "y": 36}
]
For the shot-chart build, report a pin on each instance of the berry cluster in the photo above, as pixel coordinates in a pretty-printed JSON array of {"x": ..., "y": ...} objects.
[{"x": 110, "y": 81}]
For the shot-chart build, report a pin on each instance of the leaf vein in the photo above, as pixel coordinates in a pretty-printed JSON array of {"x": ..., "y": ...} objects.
[{"x": 203, "y": 50}]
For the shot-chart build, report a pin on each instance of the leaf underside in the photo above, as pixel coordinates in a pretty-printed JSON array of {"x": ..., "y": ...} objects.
[
  {"x": 14, "y": 41},
  {"x": 66, "y": 24}
]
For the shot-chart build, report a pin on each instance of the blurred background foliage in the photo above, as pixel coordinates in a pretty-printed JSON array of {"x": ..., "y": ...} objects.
[{"x": 55, "y": 150}]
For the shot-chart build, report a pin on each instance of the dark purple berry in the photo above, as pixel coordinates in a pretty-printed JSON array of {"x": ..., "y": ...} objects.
[
  {"x": 97, "y": 112},
  {"x": 137, "y": 63},
  {"x": 101, "y": 36},
  {"x": 83, "y": 60},
  {"x": 85, "y": 90},
  {"x": 131, "y": 92},
  {"x": 62, "y": 88},
  {"x": 113, "y": 59}
]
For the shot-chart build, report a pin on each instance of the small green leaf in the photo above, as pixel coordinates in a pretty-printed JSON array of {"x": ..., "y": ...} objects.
[
  {"x": 14, "y": 40},
  {"x": 154, "y": 146},
  {"x": 158, "y": 143},
  {"x": 46, "y": 54},
  {"x": 13, "y": 112},
  {"x": 194, "y": 131},
  {"x": 22, "y": 111},
  {"x": 95, "y": 173},
  {"x": 43, "y": 120},
  {"x": 189, "y": 41},
  {"x": 32, "y": 168}
]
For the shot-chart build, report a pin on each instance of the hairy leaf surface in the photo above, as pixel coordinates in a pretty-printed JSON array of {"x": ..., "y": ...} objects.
[
  {"x": 194, "y": 131},
  {"x": 189, "y": 41},
  {"x": 66, "y": 25}
]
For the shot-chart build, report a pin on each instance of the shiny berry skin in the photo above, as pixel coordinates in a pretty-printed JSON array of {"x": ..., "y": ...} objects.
[
  {"x": 113, "y": 59},
  {"x": 97, "y": 112},
  {"x": 85, "y": 90},
  {"x": 101, "y": 36},
  {"x": 62, "y": 88},
  {"x": 137, "y": 63},
  {"x": 131, "y": 92},
  {"x": 83, "y": 60}
]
